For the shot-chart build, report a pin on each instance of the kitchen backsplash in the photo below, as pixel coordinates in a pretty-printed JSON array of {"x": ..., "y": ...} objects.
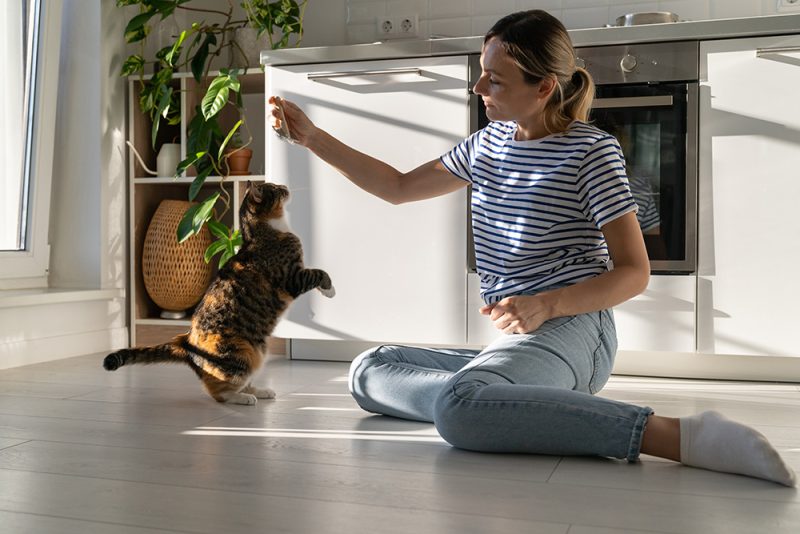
[{"x": 459, "y": 18}]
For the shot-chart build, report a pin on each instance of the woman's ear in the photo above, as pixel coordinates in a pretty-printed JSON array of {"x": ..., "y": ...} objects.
[{"x": 547, "y": 86}]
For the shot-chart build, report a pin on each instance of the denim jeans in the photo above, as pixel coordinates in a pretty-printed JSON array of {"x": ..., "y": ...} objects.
[{"x": 531, "y": 393}]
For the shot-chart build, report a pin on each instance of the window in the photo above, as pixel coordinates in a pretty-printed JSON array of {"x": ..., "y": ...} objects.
[{"x": 30, "y": 33}]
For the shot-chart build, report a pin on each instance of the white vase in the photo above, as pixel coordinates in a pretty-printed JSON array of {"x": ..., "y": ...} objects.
[{"x": 168, "y": 158}]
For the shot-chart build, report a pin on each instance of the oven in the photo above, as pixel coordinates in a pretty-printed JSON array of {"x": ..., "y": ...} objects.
[{"x": 647, "y": 97}]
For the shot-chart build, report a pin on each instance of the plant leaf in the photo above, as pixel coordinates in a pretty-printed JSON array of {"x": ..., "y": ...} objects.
[
  {"x": 161, "y": 111},
  {"x": 215, "y": 248},
  {"x": 198, "y": 182},
  {"x": 199, "y": 60},
  {"x": 204, "y": 213},
  {"x": 225, "y": 257},
  {"x": 132, "y": 65},
  {"x": 135, "y": 30},
  {"x": 218, "y": 229},
  {"x": 217, "y": 95},
  {"x": 188, "y": 162},
  {"x": 228, "y": 138},
  {"x": 175, "y": 52},
  {"x": 185, "y": 227}
]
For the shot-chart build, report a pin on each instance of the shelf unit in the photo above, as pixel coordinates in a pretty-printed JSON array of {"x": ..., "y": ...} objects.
[{"x": 145, "y": 191}]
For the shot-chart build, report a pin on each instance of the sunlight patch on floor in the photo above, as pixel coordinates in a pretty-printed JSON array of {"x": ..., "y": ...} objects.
[
  {"x": 330, "y": 409},
  {"x": 320, "y": 395},
  {"x": 425, "y": 436}
]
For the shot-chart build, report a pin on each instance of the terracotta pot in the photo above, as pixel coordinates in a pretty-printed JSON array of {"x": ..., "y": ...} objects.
[{"x": 239, "y": 160}]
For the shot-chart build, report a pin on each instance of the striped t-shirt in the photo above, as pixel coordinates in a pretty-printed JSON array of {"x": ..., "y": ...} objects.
[{"x": 538, "y": 205}]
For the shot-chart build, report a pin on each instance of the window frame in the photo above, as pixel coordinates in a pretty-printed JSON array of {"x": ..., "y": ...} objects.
[{"x": 29, "y": 268}]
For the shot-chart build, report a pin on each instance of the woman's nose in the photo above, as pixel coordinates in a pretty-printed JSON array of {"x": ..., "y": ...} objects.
[{"x": 477, "y": 87}]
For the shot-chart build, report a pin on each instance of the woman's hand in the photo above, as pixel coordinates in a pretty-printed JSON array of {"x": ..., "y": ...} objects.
[
  {"x": 301, "y": 128},
  {"x": 520, "y": 314}
]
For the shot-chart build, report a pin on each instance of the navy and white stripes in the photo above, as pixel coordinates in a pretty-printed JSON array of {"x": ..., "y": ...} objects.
[{"x": 538, "y": 206}]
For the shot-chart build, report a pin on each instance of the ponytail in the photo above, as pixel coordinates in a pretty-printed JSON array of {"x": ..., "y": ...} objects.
[{"x": 571, "y": 101}]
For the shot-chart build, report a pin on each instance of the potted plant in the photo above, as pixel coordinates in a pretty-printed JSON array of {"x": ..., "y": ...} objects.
[
  {"x": 204, "y": 43},
  {"x": 237, "y": 156}
]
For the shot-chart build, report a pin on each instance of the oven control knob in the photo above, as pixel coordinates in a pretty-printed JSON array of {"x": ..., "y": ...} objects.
[
  {"x": 580, "y": 62},
  {"x": 627, "y": 63}
]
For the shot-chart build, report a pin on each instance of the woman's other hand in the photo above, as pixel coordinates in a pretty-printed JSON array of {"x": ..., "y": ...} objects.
[
  {"x": 300, "y": 126},
  {"x": 519, "y": 314}
]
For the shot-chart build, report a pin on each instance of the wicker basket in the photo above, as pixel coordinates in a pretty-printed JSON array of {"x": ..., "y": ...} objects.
[{"x": 175, "y": 274}]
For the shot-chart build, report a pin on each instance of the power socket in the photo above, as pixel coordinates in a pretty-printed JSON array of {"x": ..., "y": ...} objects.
[
  {"x": 788, "y": 5},
  {"x": 398, "y": 27}
]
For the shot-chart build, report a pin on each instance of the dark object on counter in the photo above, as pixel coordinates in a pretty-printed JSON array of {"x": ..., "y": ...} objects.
[{"x": 648, "y": 17}]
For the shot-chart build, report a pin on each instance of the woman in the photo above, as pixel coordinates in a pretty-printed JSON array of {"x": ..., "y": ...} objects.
[{"x": 552, "y": 210}]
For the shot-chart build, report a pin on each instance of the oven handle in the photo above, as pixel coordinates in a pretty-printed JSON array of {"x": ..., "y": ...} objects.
[
  {"x": 353, "y": 73},
  {"x": 633, "y": 102}
]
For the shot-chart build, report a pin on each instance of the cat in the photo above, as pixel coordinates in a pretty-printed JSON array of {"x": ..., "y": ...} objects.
[{"x": 241, "y": 307}]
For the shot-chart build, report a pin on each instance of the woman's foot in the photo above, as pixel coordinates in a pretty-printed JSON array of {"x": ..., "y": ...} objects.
[{"x": 709, "y": 440}]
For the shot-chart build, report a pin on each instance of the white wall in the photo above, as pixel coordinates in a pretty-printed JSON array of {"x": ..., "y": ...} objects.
[
  {"x": 459, "y": 18},
  {"x": 84, "y": 311}
]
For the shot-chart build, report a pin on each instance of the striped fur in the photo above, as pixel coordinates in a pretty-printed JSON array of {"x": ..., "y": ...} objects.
[{"x": 241, "y": 308}]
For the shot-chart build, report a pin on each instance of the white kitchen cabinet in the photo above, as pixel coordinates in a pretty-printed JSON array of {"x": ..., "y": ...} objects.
[
  {"x": 749, "y": 249},
  {"x": 399, "y": 271},
  {"x": 661, "y": 318}
]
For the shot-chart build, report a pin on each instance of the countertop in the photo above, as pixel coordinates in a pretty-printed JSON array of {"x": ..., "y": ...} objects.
[{"x": 678, "y": 31}]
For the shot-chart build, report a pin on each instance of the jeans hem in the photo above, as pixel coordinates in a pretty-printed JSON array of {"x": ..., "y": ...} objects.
[{"x": 639, "y": 426}]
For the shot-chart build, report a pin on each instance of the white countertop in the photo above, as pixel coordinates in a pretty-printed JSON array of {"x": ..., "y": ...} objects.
[{"x": 679, "y": 31}]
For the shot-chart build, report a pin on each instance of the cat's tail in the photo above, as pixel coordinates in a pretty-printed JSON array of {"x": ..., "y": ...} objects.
[{"x": 171, "y": 352}]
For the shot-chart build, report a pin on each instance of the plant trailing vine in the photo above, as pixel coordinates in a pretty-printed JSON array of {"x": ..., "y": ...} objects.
[{"x": 196, "y": 48}]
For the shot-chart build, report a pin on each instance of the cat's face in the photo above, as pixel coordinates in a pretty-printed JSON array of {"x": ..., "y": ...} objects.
[{"x": 265, "y": 200}]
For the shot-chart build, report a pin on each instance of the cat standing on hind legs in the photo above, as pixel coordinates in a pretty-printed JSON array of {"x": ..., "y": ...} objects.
[{"x": 240, "y": 309}]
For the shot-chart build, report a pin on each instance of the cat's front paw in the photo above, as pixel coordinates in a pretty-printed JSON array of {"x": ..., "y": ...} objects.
[{"x": 330, "y": 292}]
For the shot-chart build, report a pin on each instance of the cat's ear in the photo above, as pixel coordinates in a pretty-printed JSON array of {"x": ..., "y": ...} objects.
[{"x": 255, "y": 191}]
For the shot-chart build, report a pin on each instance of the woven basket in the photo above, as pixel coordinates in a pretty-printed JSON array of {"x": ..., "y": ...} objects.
[{"x": 175, "y": 274}]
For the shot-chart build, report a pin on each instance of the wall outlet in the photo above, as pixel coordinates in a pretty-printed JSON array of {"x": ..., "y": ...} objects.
[
  {"x": 398, "y": 27},
  {"x": 788, "y": 5}
]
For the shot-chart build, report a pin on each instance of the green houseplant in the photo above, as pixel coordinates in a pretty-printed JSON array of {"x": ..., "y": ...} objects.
[{"x": 204, "y": 42}]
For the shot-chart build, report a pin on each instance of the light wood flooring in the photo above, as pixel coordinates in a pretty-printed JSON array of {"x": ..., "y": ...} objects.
[{"x": 143, "y": 449}]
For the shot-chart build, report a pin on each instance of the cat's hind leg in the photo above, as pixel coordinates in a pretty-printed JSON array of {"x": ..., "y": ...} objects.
[
  {"x": 227, "y": 392},
  {"x": 260, "y": 393}
]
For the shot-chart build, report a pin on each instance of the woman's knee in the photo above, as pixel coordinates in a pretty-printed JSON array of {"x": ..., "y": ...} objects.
[
  {"x": 362, "y": 362},
  {"x": 454, "y": 415}
]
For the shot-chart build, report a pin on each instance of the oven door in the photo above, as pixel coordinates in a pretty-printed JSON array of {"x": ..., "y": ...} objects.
[{"x": 656, "y": 126}]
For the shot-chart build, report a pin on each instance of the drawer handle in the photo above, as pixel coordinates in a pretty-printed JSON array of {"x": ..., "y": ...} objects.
[
  {"x": 355, "y": 73},
  {"x": 777, "y": 50}
]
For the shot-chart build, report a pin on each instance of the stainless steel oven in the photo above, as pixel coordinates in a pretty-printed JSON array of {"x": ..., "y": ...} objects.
[{"x": 647, "y": 97}]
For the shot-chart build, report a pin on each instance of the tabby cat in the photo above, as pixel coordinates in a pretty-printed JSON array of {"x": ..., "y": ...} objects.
[{"x": 230, "y": 325}]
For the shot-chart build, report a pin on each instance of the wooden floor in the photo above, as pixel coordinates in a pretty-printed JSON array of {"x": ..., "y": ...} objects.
[{"x": 144, "y": 450}]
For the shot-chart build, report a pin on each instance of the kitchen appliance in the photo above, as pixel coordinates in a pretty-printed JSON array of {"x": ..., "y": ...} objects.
[
  {"x": 647, "y": 17},
  {"x": 647, "y": 97}
]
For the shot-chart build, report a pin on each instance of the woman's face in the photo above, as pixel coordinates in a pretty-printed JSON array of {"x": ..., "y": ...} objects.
[{"x": 506, "y": 94}]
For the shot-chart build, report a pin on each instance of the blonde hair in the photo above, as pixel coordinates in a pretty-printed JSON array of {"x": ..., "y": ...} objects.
[{"x": 540, "y": 46}]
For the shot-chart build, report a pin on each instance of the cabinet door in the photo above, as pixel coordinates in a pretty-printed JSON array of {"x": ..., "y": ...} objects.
[
  {"x": 399, "y": 271},
  {"x": 749, "y": 288}
]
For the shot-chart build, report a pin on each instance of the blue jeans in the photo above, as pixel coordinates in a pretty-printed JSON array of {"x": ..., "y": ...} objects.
[{"x": 529, "y": 393}]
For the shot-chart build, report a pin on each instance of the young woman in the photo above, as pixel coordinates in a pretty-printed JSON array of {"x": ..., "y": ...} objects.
[{"x": 552, "y": 212}]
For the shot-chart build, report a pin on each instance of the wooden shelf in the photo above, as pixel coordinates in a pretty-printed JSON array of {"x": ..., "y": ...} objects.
[
  {"x": 147, "y": 191},
  {"x": 189, "y": 179}
]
